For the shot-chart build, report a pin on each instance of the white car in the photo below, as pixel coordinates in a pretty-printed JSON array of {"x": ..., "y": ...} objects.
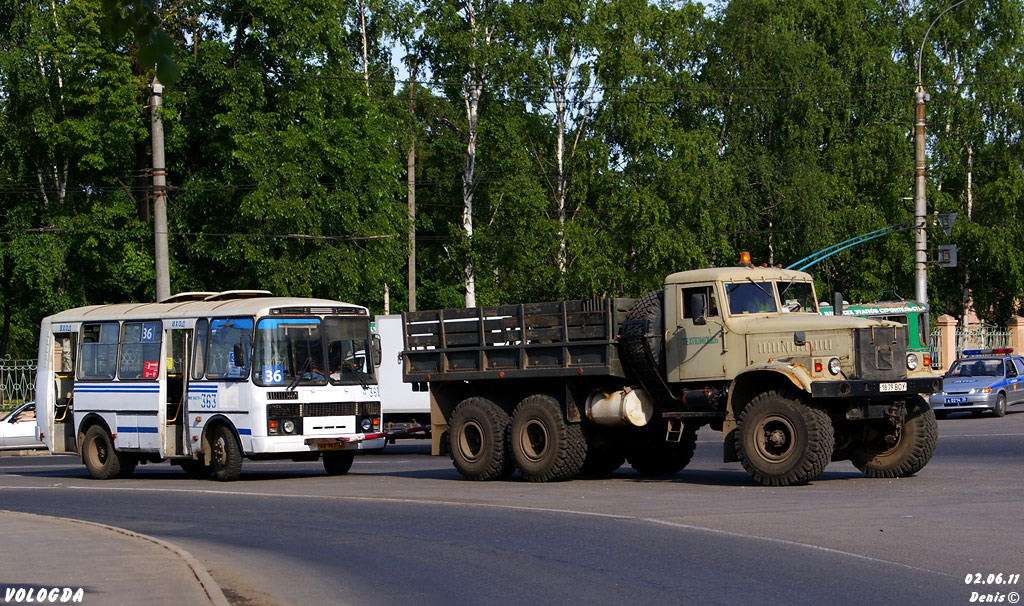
[{"x": 18, "y": 429}]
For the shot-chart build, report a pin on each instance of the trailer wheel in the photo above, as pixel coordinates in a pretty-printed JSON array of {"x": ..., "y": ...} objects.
[
  {"x": 338, "y": 463},
  {"x": 226, "y": 454},
  {"x": 99, "y": 456},
  {"x": 782, "y": 441},
  {"x": 898, "y": 452},
  {"x": 478, "y": 440},
  {"x": 661, "y": 458},
  {"x": 545, "y": 447}
]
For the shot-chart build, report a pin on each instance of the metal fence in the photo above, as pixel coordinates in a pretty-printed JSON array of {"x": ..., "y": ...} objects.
[
  {"x": 984, "y": 337},
  {"x": 17, "y": 381}
]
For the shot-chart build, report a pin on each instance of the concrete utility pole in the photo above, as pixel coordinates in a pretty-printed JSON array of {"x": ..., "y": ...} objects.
[
  {"x": 920, "y": 164},
  {"x": 410, "y": 168},
  {"x": 920, "y": 203},
  {"x": 160, "y": 255}
]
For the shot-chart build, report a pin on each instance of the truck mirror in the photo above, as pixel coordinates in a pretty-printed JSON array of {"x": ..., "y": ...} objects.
[
  {"x": 376, "y": 350},
  {"x": 799, "y": 338},
  {"x": 837, "y": 304},
  {"x": 698, "y": 306}
]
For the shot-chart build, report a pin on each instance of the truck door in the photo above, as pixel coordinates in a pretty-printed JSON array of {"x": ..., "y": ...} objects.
[{"x": 694, "y": 350}]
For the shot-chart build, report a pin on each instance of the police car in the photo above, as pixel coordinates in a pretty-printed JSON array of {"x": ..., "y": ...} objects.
[{"x": 982, "y": 380}]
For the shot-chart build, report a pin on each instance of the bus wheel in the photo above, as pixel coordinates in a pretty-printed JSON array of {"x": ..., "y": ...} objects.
[
  {"x": 898, "y": 452},
  {"x": 194, "y": 468},
  {"x": 545, "y": 447},
  {"x": 226, "y": 455},
  {"x": 478, "y": 440},
  {"x": 128, "y": 465},
  {"x": 782, "y": 441},
  {"x": 98, "y": 454},
  {"x": 338, "y": 463}
]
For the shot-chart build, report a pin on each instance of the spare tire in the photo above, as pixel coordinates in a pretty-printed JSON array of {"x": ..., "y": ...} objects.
[{"x": 641, "y": 341}]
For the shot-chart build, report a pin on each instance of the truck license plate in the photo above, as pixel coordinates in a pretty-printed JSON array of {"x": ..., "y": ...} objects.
[{"x": 892, "y": 387}]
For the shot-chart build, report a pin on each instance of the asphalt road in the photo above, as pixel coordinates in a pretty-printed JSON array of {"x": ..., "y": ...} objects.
[{"x": 403, "y": 526}]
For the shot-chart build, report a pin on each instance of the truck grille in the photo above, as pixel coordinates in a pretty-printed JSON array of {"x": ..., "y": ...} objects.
[{"x": 881, "y": 352}]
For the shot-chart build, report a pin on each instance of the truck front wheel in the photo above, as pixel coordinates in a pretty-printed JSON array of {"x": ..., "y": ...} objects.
[
  {"x": 898, "y": 452},
  {"x": 478, "y": 440},
  {"x": 782, "y": 441},
  {"x": 545, "y": 447}
]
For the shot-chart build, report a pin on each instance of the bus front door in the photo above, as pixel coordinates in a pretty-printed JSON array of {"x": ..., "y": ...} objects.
[{"x": 174, "y": 441}]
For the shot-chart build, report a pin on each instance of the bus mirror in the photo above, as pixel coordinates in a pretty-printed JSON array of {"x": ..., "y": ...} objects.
[
  {"x": 376, "y": 349},
  {"x": 239, "y": 352}
]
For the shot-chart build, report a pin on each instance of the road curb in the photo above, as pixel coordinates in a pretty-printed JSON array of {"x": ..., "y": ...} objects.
[{"x": 206, "y": 581}]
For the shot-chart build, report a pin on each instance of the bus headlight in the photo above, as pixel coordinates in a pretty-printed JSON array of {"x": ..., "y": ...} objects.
[
  {"x": 366, "y": 424},
  {"x": 288, "y": 426},
  {"x": 911, "y": 361},
  {"x": 834, "y": 366}
]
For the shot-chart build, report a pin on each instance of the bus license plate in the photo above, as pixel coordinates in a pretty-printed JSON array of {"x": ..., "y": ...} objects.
[
  {"x": 330, "y": 446},
  {"x": 885, "y": 387}
]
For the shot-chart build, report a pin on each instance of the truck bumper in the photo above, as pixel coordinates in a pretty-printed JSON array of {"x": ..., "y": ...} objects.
[{"x": 874, "y": 389}]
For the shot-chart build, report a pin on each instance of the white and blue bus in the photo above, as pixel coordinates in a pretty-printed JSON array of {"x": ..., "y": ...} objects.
[{"x": 205, "y": 379}]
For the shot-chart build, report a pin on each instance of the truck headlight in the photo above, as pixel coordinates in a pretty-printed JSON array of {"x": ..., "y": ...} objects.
[
  {"x": 912, "y": 361},
  {"x": 833, "y": 366}
]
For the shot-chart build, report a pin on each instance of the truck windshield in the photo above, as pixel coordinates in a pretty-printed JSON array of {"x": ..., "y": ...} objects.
[
  {"x": 348, "y": 351},
  {"x": 750, "y": 297},
  {"x": 797, "y": 296},
  {"x": 289, "y": 351}
]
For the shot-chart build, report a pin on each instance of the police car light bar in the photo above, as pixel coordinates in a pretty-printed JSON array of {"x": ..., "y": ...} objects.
[{"x": 988, "y": 352}]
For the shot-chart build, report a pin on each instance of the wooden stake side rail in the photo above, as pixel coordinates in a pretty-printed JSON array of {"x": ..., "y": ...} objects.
[{"x": 533, "y": 340}]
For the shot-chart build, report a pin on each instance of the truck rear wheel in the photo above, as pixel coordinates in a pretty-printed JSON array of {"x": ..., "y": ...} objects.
[
  {"x": 899, "y": 452},
  {"x": 478, "y": 440},
  {"x": 661, "y": 458},
  {"x": 545, "y": 447},
  {"x": 782, "y": 441}
]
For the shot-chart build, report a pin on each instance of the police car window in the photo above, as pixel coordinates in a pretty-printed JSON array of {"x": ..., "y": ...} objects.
[
  {"x": 1010, "y": 370},
  {"x": 1019, "y": 365}
]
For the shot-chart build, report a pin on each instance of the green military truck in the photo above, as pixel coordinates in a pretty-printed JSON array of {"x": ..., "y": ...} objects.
[{"x": 557, "y": 389}]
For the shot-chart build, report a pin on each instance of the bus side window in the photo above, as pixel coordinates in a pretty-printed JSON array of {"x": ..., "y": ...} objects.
[
  {"x": 99, "y": 351},
  {"x": 199, "y": 349},
  {"x": 140, "y": 350}
]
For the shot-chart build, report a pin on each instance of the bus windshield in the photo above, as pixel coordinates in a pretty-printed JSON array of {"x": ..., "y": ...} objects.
[
  {"x": 289, "y": 351},
  {"x": 348, "y": 350},
  {"x": 311, "y": 351}
]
